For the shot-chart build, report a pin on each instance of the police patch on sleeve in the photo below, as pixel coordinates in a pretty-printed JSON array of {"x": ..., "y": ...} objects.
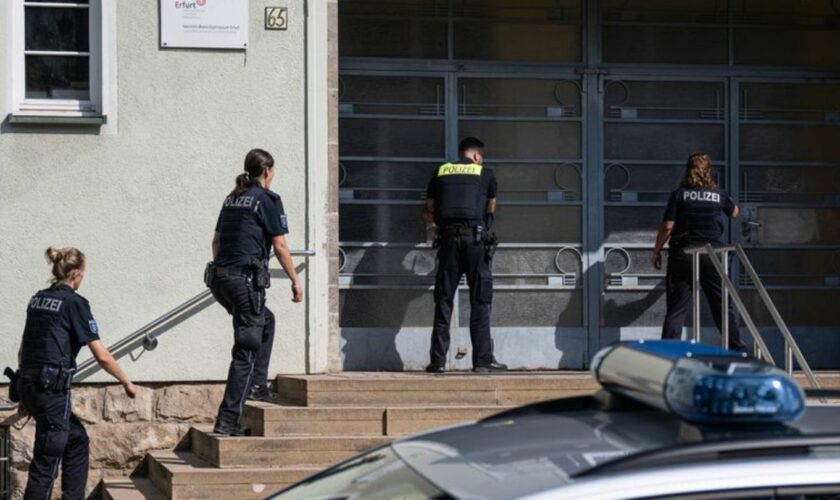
[
  {"x": 94, "y": 328},
  {"x": 284, "y": 221}
]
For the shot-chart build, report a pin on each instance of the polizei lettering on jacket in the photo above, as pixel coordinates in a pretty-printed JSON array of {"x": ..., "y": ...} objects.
[
  {"x": 45, "y": 304},
  {"x": 239, "y": 201},
  {"x": 701, "y": 196}
]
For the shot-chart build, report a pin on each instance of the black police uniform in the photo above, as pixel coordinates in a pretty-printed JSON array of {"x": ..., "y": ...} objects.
[
  {"x": 246, "y": 226},
  {"x": 698, "y": 215},
  {"x": 58, "y": 323},
  {"x": 460, "y": 191}
]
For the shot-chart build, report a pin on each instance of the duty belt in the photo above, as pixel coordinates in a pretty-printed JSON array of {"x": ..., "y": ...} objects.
[{"x": 225, "y": 272}]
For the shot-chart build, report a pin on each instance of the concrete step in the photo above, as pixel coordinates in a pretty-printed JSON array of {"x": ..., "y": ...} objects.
[
  {"x": 420, "y": 389},
  {"x": 266, "y": 419},
  {"x": 183, "y": 475},
  {"x": 237, "y": 452},
  {"x": 135, "y": 488}
]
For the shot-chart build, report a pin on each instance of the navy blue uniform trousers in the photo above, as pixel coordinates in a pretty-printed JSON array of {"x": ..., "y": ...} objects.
[
  {"x": 459, "y": 254},
  {"x": 253, "y": 337},
  {"x": 60, "y": 441},
  {"x": 678, "y": 290}
]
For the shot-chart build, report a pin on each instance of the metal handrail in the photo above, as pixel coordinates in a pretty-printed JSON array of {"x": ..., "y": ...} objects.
[
  {"x": 150, "y": 340},
  {"x": 721, "y": 265}
]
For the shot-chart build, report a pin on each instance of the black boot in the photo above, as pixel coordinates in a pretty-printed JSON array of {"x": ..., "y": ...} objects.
[
  {"x": 260, "y": 393},
  {"x": 231, "y": 430},
  {"x": 495, "y": 366},
  {"x": 432, "y": 368}
]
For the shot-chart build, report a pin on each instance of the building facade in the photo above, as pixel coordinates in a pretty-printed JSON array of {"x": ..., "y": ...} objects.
[{"x": 124, "y": 147}]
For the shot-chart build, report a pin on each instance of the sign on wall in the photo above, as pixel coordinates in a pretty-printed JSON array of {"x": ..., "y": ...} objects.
[{"x": 212, "y": 24}]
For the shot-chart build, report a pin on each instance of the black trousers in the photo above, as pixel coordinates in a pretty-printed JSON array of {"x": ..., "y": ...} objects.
[
  {"x": 60, "y": 441},
  {"x": 678, "y": 289},
  {"x": 458, "y": 255},
  {"x": 253, "y": 338}
]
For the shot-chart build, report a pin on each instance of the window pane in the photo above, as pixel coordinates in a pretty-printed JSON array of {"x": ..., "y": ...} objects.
[
  {"x": 796, "y": 267},
  {"x": 790, "y": 184},
  {"x": 794, "y": 143},
  {"x": 525, "y": 139},
  {"x": 57, "y": 29},
  {"x": 369, "y": 137},
  {"x": 392, "y": 28},
  {"x": 799, "y": 226},
  {"x": 518, "y": 30},
  {"x": 667, "y": 100},
  {"x": 633, "y": 141},
  {"x": 57, "y": 77},
  {"x": 538, "y": 182},
  {"x": 518, "y": 97},
  {"x": 664, "y": 45},
  {"x": 787, "y": 34},
  {"x": 395, "y": 223},
  {"x": 633, "y": 183},
  {"x": 537, "y": 224},
  {"x": 636, "y": 32},
  {"x": 391, "y": 95},
  {"x": 387, "y": 175},
  {"x": 798, "y": 308},
  {"x": 390, "y": 308},
  {"x": 632, "y": 224}
]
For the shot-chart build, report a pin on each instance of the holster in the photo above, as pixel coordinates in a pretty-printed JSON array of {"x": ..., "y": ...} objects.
[
  {"x": 491, "y": 242},
  {"x": 14, "y": 391},
  {"x": 209, "y": 273},
  {"x": 262, "y": 277},
  {"x": 54, "y": 378}
]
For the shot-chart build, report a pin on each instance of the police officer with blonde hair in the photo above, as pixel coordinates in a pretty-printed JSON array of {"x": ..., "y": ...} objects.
[
  {"x": 58, "y": 324},
  {"x": 695, "y": 216},
  {"x": 461, "y": 204}
]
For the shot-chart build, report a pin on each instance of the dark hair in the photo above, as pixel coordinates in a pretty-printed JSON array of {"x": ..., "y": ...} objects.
[
  {"x": 698, "y": 171},
  {"x": 64, "y": 261},
  {"x": 469, "y": 143},
  {"x": 257, "y": 161}
]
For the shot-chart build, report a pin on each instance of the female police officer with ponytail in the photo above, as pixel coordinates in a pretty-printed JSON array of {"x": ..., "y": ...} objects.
[
  {"x": 251, "y": 223},
  {"x": 694, "y": 217},
  {"x": 58, "y": 324}
]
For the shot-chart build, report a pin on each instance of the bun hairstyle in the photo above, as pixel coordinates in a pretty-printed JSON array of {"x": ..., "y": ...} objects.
[
  {"x": 257, "y": 161},
  {"x": 64, "y": 261},
  {"x": 698, "y": 172}
]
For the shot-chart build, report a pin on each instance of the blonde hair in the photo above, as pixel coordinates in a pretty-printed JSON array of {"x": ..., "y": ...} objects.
[
  {"x": 698, "y": 171},
  {"x": 64, "y": 261}
]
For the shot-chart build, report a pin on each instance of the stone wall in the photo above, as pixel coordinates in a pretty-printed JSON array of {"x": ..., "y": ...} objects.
[{"x": 121, "y": 430}]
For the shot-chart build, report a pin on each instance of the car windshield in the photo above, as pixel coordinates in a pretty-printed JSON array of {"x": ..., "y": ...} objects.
[{"x": 377, "y": 475}]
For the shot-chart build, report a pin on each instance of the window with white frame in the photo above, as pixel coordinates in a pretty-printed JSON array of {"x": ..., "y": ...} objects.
[{"x": 57, "y": 57}]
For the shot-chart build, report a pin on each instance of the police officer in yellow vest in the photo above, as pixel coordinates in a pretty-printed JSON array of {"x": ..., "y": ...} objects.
[{"x": 460, "y": 203}]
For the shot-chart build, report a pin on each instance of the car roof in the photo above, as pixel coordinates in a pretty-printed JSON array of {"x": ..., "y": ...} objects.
[{"x": 546, "y": 445}]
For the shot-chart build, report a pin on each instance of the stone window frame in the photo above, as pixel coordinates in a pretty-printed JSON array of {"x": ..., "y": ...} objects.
[{"x": 100, "y": 69}]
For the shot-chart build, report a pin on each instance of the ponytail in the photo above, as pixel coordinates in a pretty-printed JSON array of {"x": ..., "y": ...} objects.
[
  {"x": 64, "y": 261},
  {"x": 257, "y": 161}
]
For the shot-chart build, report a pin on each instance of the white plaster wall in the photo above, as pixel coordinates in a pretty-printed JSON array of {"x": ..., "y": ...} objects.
[{"x": 141, "y": 200}]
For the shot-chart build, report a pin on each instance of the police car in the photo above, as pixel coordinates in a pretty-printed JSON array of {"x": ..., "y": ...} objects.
[{"x": 674, "y": 420}]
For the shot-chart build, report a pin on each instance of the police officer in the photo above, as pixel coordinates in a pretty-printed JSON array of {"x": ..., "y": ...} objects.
[
  {"x": 694, "y": 217},
  {"x": 461, "y": 203},
  {"x": 252, "y": 222},
  {"x": 58, "y": 324}
]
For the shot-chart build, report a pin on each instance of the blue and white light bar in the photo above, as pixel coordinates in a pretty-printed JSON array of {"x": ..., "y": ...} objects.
[{"x": 699, "y": 383}]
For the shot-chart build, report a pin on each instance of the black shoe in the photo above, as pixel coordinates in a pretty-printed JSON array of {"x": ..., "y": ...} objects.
[
  {"x": 434, "y": 369},
  {"x": 495, "y": 366},
  {"x": 260, "y": 393},
  {"x": 231, "y": 430}
]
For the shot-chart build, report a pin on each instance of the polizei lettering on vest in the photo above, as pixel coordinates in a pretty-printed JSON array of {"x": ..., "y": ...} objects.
[
  {"x": 459, "y": 169},
  {"x": 239, "y": 201},
  {"x": 701, "y": 196},
  {"x": 45, "y": 304}
]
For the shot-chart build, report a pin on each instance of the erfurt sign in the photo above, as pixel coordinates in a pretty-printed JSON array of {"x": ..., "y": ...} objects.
[{"x": 211, "y": 24}]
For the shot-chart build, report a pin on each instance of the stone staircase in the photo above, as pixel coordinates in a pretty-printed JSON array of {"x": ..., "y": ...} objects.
[{"x": 323, "y": 419}]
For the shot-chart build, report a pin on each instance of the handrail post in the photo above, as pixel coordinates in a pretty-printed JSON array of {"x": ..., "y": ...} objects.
[
  {"x": 724, "y": 305},
  {"x": 788, "y": 358},
  {"x": 695, "y": 294},
  {"x": 758, "y": 343}
]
